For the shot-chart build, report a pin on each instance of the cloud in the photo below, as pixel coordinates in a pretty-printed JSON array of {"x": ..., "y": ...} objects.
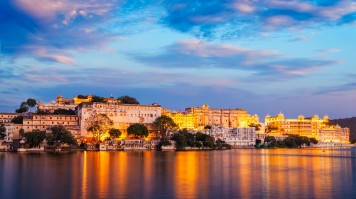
[
  {"x": 329, "y": 50},
  {"x": 229, "y": 19},
  {"x": 197, "y": 54},
  {"x": 46, "y": 26},
  {"x": 337, "y": 89}
]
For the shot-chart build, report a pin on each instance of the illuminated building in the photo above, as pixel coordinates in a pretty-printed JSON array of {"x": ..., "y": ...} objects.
[
  {"x": 183, "y": 120},
  {"x": 7, "y": 117},
  {"x": 68, "y": 104},
  {"x": 123, "y": 115},
  {"x": 334, "y": 134},
  {"x": 313, "y": 127},
  {"x": 79, "y": 99},
  {"x": 221, "y": 117},
  {"x": 45, "y": 122}
]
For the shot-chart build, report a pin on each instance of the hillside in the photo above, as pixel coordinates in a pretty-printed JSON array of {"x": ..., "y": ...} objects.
[{"x": 347, "y": 122}]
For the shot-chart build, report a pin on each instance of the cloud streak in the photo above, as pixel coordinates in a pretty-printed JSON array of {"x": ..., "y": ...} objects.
[{"x": 266, "y": 64}]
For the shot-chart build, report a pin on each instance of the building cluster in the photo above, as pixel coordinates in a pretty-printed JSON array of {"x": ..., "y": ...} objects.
[
  {"x": 235, "y": 126},
  {"x": 313, "y": 127}
]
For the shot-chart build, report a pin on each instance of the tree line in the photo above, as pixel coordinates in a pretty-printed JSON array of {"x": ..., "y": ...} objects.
[{"x": 292, "y": 141}]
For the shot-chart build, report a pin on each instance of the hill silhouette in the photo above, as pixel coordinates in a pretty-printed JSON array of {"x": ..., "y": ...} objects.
[{"x": 349, "y": 123}]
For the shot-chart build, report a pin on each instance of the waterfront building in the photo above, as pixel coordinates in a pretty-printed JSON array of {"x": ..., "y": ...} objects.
[
  {"x": 221, "y": 117},
  {"x": 240, "y": 137},
  {"x": 334, "y": 134},
  {"x": 45, "y": 122},
  {"x": 123, "y": 115},
  {"x": 183, "y": 120},
  {"x": 312, "y": 127},
  {"x": 7, "y": 117},
  {"x": 9, "y": 133}
]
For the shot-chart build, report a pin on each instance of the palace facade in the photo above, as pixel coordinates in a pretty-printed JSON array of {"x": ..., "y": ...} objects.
[
  {"x": 123, "y": 115},
  {"x": 204, "y": 116},
  {"x": 312, "y": 127}
]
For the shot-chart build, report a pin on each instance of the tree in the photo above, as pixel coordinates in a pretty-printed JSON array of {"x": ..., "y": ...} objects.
[
  {"x": 2, "y": 131},
  {"x": 82, "y": 97},
  {"x": 23, "y": 108},
  {"x": 98, "y": 124},
  {"x": 313, "y": 140},
  {"x": 114, "y": 133},
  {"x": 59, "y": 136},
  {"x": 34, "y": 138},
  {"x": 17, "y": 119},
  {"x": 128, "y": 100},
  {"x": 208, "y": 127},
  {"x": 97, "y": 99},
  {"x": 31, "y": 103},
  {"x": 61, "y": 111},
  {"x": 180, "y": 140},
  {"x": 207, "y": 140},
  {"x": 164, "y": 123},
  {"x": 138, "y": 130}
]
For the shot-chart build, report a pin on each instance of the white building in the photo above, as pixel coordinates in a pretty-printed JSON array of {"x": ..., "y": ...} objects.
[
  {"x": 9, "y": 132},
  {"x": 123, "y": 115},
  {"x": 240, "y": 137}
]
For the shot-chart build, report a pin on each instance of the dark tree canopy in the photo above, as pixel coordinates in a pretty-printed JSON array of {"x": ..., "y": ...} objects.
[
  {"x": 82, "y": 97},
  {"x": 31, "y": 102},
  {"x": 34, "y": 138},
  {"x": 61, "y": 111},
  {"x": 2, "y": 131},
  {"x": 23, "y": 108},
  {"x": 59, "y": 136},
  {"x": 98, "y": 99},
  {"x": 17, "y": 119},
  {"x": 139, "y": 130},
  {"x": 164, "y": 123},
  {"x": 114, "y": 133},
  {"x": 128, "y": 100}
]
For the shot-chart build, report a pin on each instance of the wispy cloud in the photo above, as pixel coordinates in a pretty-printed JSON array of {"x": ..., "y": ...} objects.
[
  {"x": 264, "y": 63},
  {"x": 329, "y": 50},
  {"x": 45, "y": 26}
]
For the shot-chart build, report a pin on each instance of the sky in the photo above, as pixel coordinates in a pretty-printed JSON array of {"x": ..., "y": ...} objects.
[{"x": 264, "y": 56}]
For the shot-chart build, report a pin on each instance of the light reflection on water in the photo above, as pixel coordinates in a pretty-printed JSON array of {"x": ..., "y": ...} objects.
[{"x": 275, "y": 173}]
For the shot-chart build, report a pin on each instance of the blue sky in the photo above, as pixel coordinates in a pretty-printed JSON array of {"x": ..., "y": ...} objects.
[{"x": 265, "y": 56}]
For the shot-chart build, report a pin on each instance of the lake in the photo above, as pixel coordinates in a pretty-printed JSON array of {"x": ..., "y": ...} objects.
[{"x": 273, "y": 173}]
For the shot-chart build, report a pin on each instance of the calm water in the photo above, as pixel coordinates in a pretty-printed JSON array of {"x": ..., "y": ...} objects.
[{"x": 279, "y": 173}]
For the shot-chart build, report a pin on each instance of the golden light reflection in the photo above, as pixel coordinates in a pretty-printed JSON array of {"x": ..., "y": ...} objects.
[
  {"x": 103, "y": 171},
  {"x": 186, "y": 175},
  {"x": 84, "y": 176}
]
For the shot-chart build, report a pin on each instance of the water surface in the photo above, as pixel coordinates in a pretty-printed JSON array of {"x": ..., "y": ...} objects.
[{"x": 276, "y": 173}]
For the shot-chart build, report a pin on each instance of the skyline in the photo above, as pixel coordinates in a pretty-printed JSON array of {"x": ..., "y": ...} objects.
[{"x": 261, "y": 56}]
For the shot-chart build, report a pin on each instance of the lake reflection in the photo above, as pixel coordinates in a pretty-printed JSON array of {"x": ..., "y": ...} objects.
[{"x": 279, "y": 173}]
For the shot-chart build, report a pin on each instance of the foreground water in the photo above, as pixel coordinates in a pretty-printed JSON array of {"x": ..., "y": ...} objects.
[{"x": 279, "y": 173}]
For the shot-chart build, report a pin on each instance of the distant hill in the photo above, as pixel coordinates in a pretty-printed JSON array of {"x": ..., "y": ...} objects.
[{"x": 349, "y": 123}]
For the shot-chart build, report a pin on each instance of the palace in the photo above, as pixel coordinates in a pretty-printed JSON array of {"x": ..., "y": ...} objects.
[
  {"x": 313, "y": 127},
  {"x": 123, "y": 115},
  {"x": 183, "y": 120},
  {"x": 221, "y": 117}
]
